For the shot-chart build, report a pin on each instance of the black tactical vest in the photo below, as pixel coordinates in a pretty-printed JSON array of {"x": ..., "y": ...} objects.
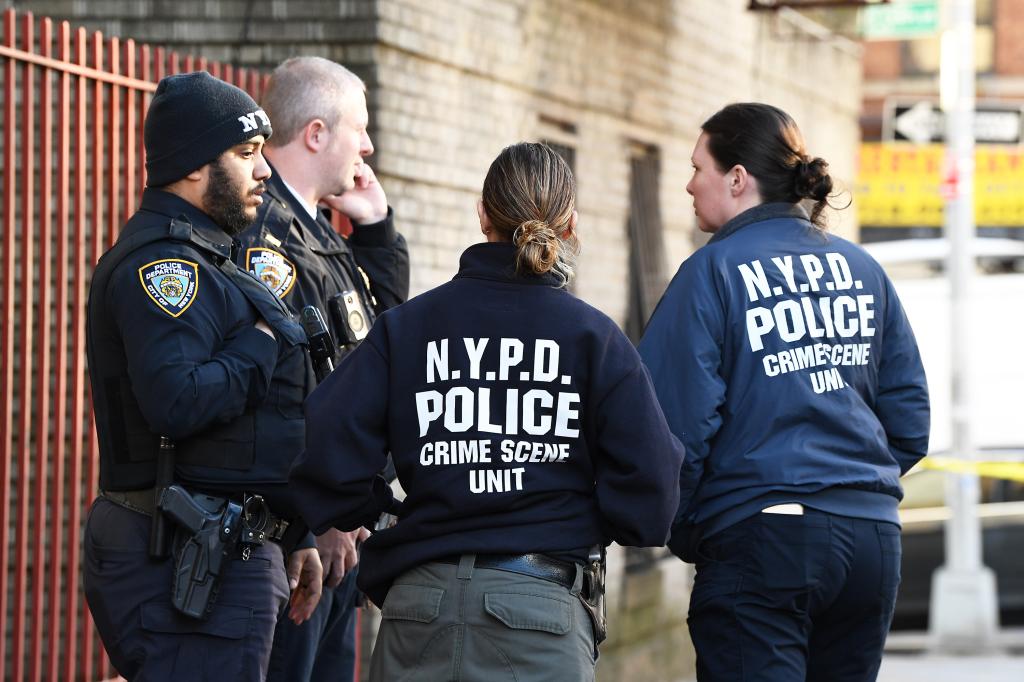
[{"x": 246, "y": 451}]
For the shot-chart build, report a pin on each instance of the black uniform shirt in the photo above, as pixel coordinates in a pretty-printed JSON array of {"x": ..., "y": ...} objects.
[
  {"x": 305, "y": 262},
  {"x": 174, "y": 351}
]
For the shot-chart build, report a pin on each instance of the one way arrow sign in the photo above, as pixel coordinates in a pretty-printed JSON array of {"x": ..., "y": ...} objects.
[{"x": 922, "y": 122}]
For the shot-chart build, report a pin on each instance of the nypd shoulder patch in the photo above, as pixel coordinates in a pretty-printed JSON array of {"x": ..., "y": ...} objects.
[
  {"x": 276, "y": 271},
  {"x": 171, "y": 283}
]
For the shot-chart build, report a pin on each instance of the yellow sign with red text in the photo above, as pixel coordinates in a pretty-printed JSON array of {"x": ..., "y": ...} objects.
[{"x": 904, "y": 185}]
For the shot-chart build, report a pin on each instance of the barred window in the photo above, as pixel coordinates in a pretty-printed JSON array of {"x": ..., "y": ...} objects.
[{"x": 646, "y": 242}]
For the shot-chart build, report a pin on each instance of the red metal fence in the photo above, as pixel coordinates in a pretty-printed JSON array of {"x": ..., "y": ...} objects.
[{"x": 73, "y": 170}]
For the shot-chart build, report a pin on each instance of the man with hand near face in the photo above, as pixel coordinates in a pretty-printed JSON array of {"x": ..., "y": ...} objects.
[
  {"x": 318, "y": 109},
  {"x": 186, "y": 346}
]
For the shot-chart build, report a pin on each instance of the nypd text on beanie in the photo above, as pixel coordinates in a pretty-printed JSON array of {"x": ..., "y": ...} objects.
[{"x": 192, "y": 119}]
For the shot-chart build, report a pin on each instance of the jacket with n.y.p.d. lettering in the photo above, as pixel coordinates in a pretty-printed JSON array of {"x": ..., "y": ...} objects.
[
  {"x": 520, "y": 420},
  {"x": 784, "y": 362}
]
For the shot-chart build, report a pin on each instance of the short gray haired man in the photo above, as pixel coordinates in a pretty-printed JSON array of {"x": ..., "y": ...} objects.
[{"x": 318, "y": 109}]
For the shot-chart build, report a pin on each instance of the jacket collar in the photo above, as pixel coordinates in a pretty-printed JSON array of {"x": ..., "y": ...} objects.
[
  {"x": 757, "y": 214},
  {"x": 172, "y": 206},
  {"x": 496, "y": 261},
  {"x": 319, "y": 234}
]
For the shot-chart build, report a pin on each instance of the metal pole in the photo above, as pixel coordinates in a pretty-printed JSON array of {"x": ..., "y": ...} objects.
[{"x": 963, "y": 614}]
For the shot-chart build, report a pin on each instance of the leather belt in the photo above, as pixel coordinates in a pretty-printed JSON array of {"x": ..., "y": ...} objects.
[
  {"x": 534, "y": 565},
  {"x": 144, "y": 502}
]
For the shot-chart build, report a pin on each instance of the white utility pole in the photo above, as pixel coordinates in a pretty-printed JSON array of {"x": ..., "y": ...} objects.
[{"x": 964, "y": 616}]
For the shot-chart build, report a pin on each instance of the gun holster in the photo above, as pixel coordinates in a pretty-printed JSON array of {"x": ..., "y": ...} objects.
[
  {"x": 211, "y": 531},
  {"x": 592, "y": 595}
]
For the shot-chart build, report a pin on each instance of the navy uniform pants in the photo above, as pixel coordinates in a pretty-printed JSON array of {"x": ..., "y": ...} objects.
[
  {"x": 129, "y": 596},
  {"x": 788, "y": 598},
  {"x": 323, "y": 649}
]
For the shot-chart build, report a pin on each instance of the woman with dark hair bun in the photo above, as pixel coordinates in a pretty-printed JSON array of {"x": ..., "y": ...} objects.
[
  {"x": 526, "y": 434},
  {"x": 784, "y": 362}
]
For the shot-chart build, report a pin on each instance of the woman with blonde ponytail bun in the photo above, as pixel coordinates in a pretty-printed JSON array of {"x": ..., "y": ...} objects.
[
  {"x": 526, "y": 434},
  {"x": 529, "y": 199},
  {"x": 785, "y": 364}
]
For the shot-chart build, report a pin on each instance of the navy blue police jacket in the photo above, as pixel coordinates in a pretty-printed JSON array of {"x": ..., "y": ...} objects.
[
  {"x": 305, "y": 262},
  {"x": 520, "y": 420},
  {"x": 174, "y": 351},
  {"x": 785, "y": 363}
]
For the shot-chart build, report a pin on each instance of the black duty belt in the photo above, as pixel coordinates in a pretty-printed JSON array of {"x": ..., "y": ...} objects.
[
  {"x": 144, "y": 502},
  {"x": 534, "y": 565}
]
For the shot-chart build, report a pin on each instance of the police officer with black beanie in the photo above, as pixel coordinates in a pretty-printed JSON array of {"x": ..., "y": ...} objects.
[{"x": 185, "y": 346}]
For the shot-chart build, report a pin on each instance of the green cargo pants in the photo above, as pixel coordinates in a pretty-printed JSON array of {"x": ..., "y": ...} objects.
[{"x": 448, "y": 623}]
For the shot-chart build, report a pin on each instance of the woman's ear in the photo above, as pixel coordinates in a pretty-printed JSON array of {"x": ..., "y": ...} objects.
[
  {"x": 485, "y": 220},
  {"x": 739, "y": 180}
]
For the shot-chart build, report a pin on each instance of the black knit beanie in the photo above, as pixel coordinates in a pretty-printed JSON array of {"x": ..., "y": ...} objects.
[{"x": 192, "y": 119}]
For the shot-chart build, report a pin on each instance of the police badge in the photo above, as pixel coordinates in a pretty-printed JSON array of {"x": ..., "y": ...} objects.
[
  {"x": 276, "y": 271},
  {"x": 171, "y": 283}
]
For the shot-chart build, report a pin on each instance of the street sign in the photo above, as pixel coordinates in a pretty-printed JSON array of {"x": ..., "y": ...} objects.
[
  {"x": 902, "y": 185},
  {"x": 923, "y": 122},
  {"x": 900, "y": 20}
]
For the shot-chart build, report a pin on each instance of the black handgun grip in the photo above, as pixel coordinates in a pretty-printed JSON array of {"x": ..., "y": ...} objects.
[
  {"x": 176, "y": 503},
  {"x": 158, "y": 537}
]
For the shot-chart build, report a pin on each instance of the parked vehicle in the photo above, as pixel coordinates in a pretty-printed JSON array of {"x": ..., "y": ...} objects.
[
  {"x": 923, "y": 514},
  {"x": 993, "y": 254}
]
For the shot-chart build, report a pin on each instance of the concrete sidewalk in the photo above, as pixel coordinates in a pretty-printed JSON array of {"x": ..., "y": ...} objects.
[
  {"x": 936, "y": 668},
  {"x": 903, "y": 667},
  {"x": 907, "y": 659}
]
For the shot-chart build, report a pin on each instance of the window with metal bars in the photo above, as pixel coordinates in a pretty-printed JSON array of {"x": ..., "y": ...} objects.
[
  {"x": 646, "y": 280},
  {"x": 646, "y": 242}
]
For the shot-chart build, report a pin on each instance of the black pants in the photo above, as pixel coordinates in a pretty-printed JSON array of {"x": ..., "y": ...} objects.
[
  {"x": 129, "y": 596},
  {"x": 323, "y": 649},
  {"x": 786, "y": 598}
]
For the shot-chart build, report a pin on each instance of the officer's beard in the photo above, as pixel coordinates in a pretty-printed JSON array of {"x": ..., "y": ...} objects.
[{"x": 224, "y": 201}]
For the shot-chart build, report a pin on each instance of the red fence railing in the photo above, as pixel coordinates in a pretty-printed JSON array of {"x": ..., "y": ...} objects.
[{"x": 73, "y": 171}]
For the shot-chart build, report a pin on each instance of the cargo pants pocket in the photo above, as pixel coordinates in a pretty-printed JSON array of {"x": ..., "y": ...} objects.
[
  {"x": 176, "y": 647},
  {"x": 413, "y": 602},
  {"x": 531, "y": 612}
]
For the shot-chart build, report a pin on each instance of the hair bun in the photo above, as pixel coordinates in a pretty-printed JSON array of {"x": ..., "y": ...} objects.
[
  {"x": 533, "y": 231},
  {"x": 812, "y": 179},
  {"x": 537, "y": 244}
]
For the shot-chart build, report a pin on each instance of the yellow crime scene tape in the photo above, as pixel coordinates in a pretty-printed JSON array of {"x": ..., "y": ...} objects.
[{"x": 1011, "y": 471}]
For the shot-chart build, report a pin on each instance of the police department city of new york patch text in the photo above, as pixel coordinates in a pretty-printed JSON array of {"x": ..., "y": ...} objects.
[
  {"x": 276, "y": 271},
  {"x": 171, "y": 283}
]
